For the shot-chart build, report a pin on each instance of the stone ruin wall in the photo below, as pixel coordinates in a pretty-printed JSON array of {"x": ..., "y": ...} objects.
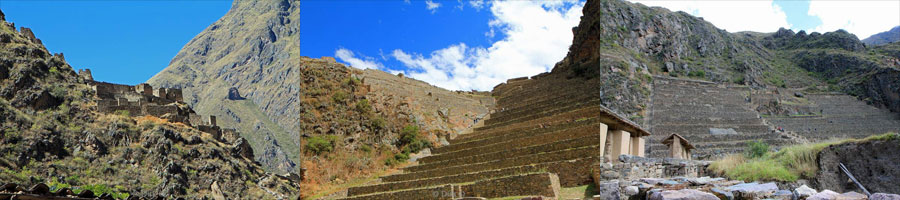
[{"x": 142, "y": 99}]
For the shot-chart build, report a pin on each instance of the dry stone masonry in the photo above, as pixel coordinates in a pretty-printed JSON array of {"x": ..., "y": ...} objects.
[
  {"x": 142, "y": 99},
  {"x": 534, "y": 145}
]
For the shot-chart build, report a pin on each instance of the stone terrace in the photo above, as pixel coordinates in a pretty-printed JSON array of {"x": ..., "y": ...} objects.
[
  {"x": 715, "y": 118},
  {"x": 527, "y": 149},
  {"x": 841, "y": 116}
]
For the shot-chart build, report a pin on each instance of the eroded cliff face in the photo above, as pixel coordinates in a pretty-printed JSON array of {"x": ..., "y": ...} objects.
[{"x": 254, "y": 49}]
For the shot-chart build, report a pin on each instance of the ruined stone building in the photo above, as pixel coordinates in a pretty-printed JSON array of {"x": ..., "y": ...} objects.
[{"x": 143, "y": 99}]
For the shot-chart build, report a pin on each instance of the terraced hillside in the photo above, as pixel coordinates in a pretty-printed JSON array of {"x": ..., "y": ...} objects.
[
  {"x": 715, "y": 118},
  {"x": 538, "y": 141},
  {"x": 837, "y": 116}
]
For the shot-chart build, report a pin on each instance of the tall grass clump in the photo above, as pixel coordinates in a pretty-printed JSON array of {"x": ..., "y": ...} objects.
[{"x": 790, "y": 163}]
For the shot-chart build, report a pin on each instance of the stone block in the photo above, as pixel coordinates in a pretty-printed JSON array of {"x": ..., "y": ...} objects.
[{"x": 684, "y": 194}]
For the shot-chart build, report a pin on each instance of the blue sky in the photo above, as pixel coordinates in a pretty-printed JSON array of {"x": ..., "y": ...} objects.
[
  {"x": 464, "y": 44},
  {"x": 375, "y": 28},
  {"x": 120, "y": 41}
]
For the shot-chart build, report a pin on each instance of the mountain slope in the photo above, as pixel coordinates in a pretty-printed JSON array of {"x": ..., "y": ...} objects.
[
  {"x": 358, "y": 123},
  {"x": 53, "y": 134},
  {"x": 618, "y": 39},
  {"x": 253, "y": 49},
  {"x": 890, "y": 36}
]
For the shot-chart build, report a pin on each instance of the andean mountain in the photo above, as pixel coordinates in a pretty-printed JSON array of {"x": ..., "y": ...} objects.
[
  {"x": 244, "y": 69},
  {"x": 53, "y": 134},
  {"x": 886, "y": 37}
]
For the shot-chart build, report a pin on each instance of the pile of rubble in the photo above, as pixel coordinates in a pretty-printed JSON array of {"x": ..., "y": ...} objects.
[{"x": 706, "y": 188}]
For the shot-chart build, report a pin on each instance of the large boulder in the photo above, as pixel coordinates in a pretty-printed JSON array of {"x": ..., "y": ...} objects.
[
  {"x": 753, "y": 190},
  {"x": 607, "y": 190},
  {"x": 824, "y": 195},
  {"x": 883, "y": 196},
  {"x": 804, "y": 191},
  {"x": 684, "y": 194}
]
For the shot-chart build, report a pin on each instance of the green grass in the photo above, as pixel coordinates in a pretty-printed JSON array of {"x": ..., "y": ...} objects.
[
  {"x": 578, "y": 192},
  {"x": 788, "y": 164}
]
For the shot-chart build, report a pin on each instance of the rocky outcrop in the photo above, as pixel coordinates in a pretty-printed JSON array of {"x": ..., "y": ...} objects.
[
  {"x": 253, "y": 49},
  {"x": 873, "y": 163},
  {"x": 671, "y": 42}
]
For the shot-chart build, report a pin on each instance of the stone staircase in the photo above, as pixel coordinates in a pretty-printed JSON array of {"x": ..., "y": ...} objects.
[
  {"x": 717, "y": 119},
  {"x": 842, "y": 116},
  {"x": 524, "y": 149}
]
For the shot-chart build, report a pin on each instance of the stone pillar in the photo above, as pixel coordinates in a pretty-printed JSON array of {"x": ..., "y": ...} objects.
[
  {"x": 621, "y": 144},
  {"x": 161, "y": 93},
  {"x": 637, "y": 146},
  {"x": 212, "y": 120},
  {"x": 603, "y": 128},
  {"x": 676, "y": 149},
  {"x": 144, "y": 89},
  {"x": 121, "y": 101}
]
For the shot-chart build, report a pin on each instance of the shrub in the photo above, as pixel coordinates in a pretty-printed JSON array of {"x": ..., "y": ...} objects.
[
  {"x": 340, "y": 97},
  {"x": 410, "y": 137},
  {"x": 377, "y": 123},
  {"x": 363, "y": 106},
  {"x": 365, "y": 148},
  {"x": 321, "y": 144},
  {"x": 698, "y": 73},
  {"x": 756, "y": 149}
]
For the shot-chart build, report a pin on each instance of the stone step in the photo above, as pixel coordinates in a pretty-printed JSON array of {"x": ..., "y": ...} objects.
[
  {"x": 568, "y": 154},
  {"x": 708, "y": 138},
  {"x": 531, "y": 113},
  {"x": 532, "y": 184},
  {"x": 553, "y": 145},
  {"x": 497, "y": 137},
  {"x": 571, "y": 173},
  {"x": 701, "y": 129},
  {"x": 541, "y": 106},
  {"x": 547, "y": 118},
  {"x": 672, "y": 120},
  {"x": 524, "y": 141}
]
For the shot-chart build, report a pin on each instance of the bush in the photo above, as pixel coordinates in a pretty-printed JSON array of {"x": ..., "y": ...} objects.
[
  {"x": 410, "y": 137},
  {"x": 756, "y": 149},
  {"x": 377, "y": 123},
  {"x": 363, "y": 106},
  {"x": 340, "y": 97},
  {"x": 321, "y": 144}
]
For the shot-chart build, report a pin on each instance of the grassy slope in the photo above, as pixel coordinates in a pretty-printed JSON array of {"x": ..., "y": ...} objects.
[{"x": 788, "y": 164}]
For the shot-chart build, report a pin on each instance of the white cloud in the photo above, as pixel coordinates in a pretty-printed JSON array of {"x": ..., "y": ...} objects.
[
  {"x": 432, "y": 6},
  {"x": 477, "y": 4},
  {"x": 862, "y": 18},
  {"x": 406, "y": 1},
  {"x": 364, "y": 63},
  {"x": 733, "y": 16},
  {"x": 460, "y": 4},
  {"x": 538, "y": 34}
]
